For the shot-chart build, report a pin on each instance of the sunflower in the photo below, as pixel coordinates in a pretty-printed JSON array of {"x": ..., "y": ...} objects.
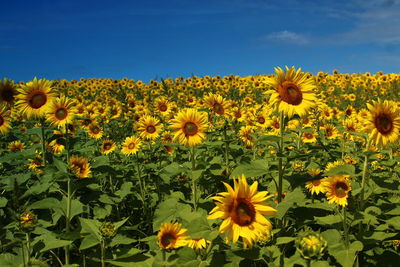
[
  {"x": 162, "y": 105},
  {"x": 309, "y": 136},
  {"x": 245, "y": 134},
  {"x": 61, "y": 111},
  {"x": 337, "y": 189},
  {"x": 189, "y": 126},
  {"x": 95, "y": 131},
  {"x": 16, "y": 146},
  {"x": 4, "y": 120},
  {"x": 149, "y": 127},
  {"x": 243, "y": 208},
  {"x": 217, "y": 103},
  {"x": 131, "y": 145},
  {"x": 316, "y": 186},
  {"x": 294, "y": 91},
  {"x": 107, "y": 147},
  {"x": 35, "y": 98},
  {"x": 383, "y": 123},
  {"x": 7, "y": 92},
  {"x": 171, "y": 236},
  {"x": 80, "y": 166},
  {"x": 198, "y": 243},
  {"x": 56, "y": 146}
]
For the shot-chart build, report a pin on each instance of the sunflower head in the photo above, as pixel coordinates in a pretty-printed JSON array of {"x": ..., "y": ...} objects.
[
  {"x": 61, "y": 111},
  {"x": 243, "y": 208},
  {"x": 172, "y": 236},
  {"x": 337, "y": 188},
  {"x": 310, "y": 244},
  {"x": 198, "y": 243},
  {"x": 131, "y": 145},
  {"x": 189, "y": 127},
  {"x": 107, "y": 147},
  {"x": 383, "y": 123},
  {"x": 80, "y": 166},
  {"x": 5, "y": 119},
  {"x": 27, "y": 220},
  {"x": 8, "y": 90},
  {"x": 293, "y": 91},
  {"x": 35, "y": 97},
  {"x": 149, "y": 127}
]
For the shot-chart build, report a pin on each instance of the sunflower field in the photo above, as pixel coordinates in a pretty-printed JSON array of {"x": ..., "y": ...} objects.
[{"x": 286, "y": 169}]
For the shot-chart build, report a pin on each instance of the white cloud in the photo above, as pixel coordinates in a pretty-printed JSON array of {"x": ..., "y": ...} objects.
[{"x": 286, "y": 37}]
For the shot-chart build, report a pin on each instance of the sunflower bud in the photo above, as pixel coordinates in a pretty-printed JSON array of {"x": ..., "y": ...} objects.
[
  {"x": 311, "y": 244},
  {"x": 107, "y": 229},
  {"x": 27, "y": 220}
]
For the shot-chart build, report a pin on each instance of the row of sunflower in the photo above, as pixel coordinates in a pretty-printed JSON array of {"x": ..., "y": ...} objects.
[{"x": 135, "y": 169}]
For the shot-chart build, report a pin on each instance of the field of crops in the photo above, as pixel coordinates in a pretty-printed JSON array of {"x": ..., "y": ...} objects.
[{"x": 269, "y": 170}]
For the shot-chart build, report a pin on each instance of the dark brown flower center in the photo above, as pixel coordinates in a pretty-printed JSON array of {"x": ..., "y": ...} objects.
[
  {"x": 290, "y": 93},
  {"x": 308, "y": 135},
  {"x": 61, "y": 113},
  {"x": 37, "y": 100},
  {"x": 243, "y": 213},
  {"x": 107, "y": 146},
  {"x": 190, "y": 129},
  {"x": 150, "y": 129},
  {"x": 162, "y": 107},
  {"x": 7, "y": 94},
  {"x": 167, "y": 239},
  {"x": 261, "y": 120},
  {"x": 95, "y": 129},
  {"x": 384, "y": 124},
  {"x": 131, "y": 145},
  {"x": 1, "y": 120},
  {"x": 341, "y": 189},
  {"x": 218, "y": 108}
]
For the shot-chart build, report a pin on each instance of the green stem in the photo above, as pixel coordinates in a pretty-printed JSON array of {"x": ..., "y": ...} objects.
[
  {"x": 140, "y": 179},
  {"x": 69, "y": 199},
  {"x": 345, "y": 227},
  {"x": 308, "y": 263},
  {"x": 226, "y": 148},
  {"x": 164, "y": 257},
  {"x": 363, "y": 182},
  {"x": 280, "y": 160},
  {"x": 194, "y": 187},
  {"x": 28, "y": 248},
  {"x": 43, "y": 145},
  {"x": 103, "y": 256}
]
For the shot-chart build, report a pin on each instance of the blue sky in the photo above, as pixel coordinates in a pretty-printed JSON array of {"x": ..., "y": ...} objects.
[{"x": 145, "y": 40}]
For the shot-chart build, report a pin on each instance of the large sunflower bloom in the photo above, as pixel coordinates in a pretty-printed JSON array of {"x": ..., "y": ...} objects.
[
  {"x": 294, "y": 91},
  {"x": 217, "y": 103},
  {"x": 61, "y": 112},
  {"x": 4, "y": 120},
  {"x": 35, "y": 97},
  {"x": 80, "y": 166},
  {"x": 172, "y": 236},
  {"x": 243, "y": 208},
  {"x": 383, "y": 123},
  {"x": 337, "y": 188},
  {"x": 149, "y": 127},
  {"x": 189, "y": 126},
  {"x": 131, "y": 145}
]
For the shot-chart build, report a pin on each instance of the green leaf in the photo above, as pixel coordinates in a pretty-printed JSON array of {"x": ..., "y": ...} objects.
[
  {"x": 120, "y": 223},
  {"x": 60, "y": 165},
  {"x": 296, "y": 196},
  {"x": 253, "y": 169},
  {"x": 100, "y": 161},
  {"x": 168, "y": 211},
  {"x": 342, "y": 169},
  {"x": 88, "y": 242},
  {"x": 90, "y": 226},
  {"x": 284, "y": 240},
  {"x": 3, "y": 202},
  {"x": 121, "y": 240},
  {"x": 171, "y": 170},
  {"x": 47, "y": 203},
  {"x": 54, "y": 243},
  {"x": 328, "y": 220}
]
